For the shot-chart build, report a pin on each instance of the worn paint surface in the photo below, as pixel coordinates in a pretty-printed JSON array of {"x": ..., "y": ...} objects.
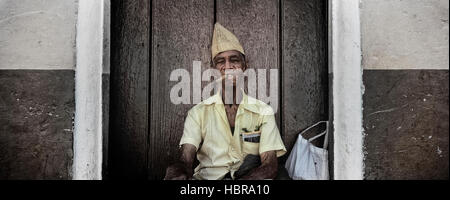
[
  {"x": 347, "y": 90},
  {"x": 37, "y": 107},
  {"x": 37, "y": 34},
  {"x": 36, "y": 114},
  {"x": 406, "y": 122},
  {"x": 409, "y": 34},
  {"x": 87, "y": 142},
  {"x": 405, "y": 57}
]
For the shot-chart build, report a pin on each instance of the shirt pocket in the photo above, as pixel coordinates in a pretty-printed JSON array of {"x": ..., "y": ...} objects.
[{"x": 250, "y": 148}]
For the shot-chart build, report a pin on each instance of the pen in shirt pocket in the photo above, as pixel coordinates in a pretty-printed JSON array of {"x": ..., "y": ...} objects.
[{"x": 253, "y": 136}]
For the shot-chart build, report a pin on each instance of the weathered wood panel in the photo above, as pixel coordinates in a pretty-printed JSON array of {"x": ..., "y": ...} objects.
[
  {"x": 181, "y": 33},
  {"x": 129, "y": 91},
  {"x": 105, "y": 124},
  {"x": 304, "y": 66},
  {"x": 256, "y": 24},
  {"x": 329, "y": 91},
  {"x": 105, "y": 85}
]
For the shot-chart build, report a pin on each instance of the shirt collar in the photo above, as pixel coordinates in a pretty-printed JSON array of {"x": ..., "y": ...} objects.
[{"x": 247, "y": 102}]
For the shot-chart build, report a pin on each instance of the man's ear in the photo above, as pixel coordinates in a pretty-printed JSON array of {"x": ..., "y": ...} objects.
[{"x": 245, "y": 64}]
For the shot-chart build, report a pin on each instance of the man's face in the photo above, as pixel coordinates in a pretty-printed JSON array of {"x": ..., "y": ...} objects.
[{"x": 229, "y": 61}]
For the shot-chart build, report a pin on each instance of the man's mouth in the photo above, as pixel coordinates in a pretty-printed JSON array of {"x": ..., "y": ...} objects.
[{"x": 231, "y": 75}]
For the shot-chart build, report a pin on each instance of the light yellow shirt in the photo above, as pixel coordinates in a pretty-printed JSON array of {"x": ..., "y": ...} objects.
[{"x": 218, "y": 150}]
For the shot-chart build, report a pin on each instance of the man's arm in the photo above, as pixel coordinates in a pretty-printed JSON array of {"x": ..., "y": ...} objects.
[
  {"x": 182, "y": 170},
  {"x": 267, "y": 169}
]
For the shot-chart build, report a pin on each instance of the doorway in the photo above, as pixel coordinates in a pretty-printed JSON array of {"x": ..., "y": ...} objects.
[{"x": 151, "y": 38}]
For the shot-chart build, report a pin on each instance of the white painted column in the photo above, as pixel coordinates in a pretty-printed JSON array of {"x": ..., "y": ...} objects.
[
  {"x": 347, "y": 89},
  {"x": 87, "y": 161}
]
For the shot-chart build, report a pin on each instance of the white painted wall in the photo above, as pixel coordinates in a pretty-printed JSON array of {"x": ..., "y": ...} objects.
[
  {"x": 87, "y": 162},
  {"x": 399, "y": 34},
  {"x": 37, "y": 34},
  {"x": 347, "y": 90}
]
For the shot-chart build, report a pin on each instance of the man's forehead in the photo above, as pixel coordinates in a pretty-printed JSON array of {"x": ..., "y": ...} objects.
[{"x": 227, "y": 54}]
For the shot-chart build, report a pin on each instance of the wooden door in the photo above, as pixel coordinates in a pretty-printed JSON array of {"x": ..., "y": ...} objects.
[{"x": 150, "y": 38}]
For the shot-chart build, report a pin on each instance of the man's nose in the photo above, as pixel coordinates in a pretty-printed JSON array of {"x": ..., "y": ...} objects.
[{"x": 228, "y": 65}]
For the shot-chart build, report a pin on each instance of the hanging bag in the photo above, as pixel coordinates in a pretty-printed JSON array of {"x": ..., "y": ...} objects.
[{"x": 306, "y": 161}]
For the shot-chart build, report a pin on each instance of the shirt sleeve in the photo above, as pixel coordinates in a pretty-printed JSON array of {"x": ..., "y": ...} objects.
[
  {"x": 270, "y": 137},
  {"x": 192, "y": 131}
]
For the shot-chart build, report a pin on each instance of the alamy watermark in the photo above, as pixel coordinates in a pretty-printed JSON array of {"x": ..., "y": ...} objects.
[{"x": 253, "y": 81}]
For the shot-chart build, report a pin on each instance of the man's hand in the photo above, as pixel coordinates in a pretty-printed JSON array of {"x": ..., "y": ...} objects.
[
  {"x": 183, "y": 169},
  {"x": 176, "y": 172},
  {"x": 267, "y": 170}
]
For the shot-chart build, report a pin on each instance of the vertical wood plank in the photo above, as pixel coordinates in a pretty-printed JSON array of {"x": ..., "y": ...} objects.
[
  {"x": 304, "y": 62},
  {"x": 129, "y": 89},
  {"x": 255, "y": 23},
  {"x": 181, "y": 33}
]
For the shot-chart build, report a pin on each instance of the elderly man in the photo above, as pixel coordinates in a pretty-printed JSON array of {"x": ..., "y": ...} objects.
[{"x": 232, "y": 140}]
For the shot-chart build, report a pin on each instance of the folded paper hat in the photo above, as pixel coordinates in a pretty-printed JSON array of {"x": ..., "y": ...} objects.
[{"x": 224, "y": 40}]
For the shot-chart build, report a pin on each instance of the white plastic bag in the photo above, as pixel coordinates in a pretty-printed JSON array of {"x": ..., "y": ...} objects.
[{"x": 306, "y": 161}]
